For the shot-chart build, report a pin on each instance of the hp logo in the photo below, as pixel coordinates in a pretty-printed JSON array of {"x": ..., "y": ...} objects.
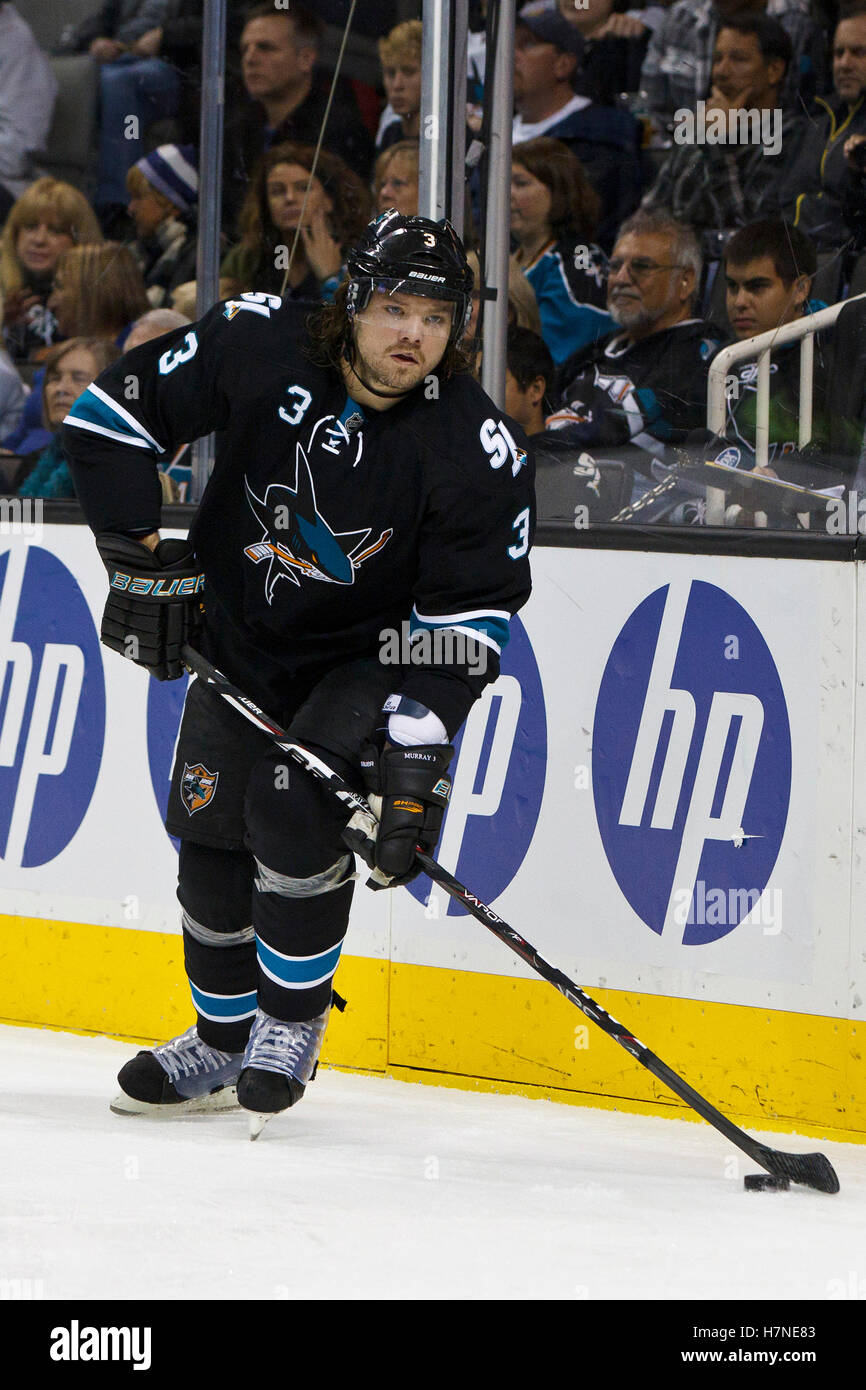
[
  {"x": 52, "y": 707},
  {"x": 498, "y": 775},
  {"x": 691, "y": 763}
]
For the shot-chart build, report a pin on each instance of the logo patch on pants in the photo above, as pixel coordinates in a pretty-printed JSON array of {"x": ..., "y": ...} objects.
[{"x": 197, "y": 786}]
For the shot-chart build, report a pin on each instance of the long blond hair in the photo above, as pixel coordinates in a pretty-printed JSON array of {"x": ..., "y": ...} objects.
[
  {"x": 59, "y": 202},
  {"x": 107, "y": 287}
]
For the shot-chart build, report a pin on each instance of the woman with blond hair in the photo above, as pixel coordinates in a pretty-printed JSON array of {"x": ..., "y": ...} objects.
[
  {"x": 395, "y": 178},
  {"x": 98, "y": 292},
  {"x": 49, "y": 218},
  {"x": 336, "y": 208}
]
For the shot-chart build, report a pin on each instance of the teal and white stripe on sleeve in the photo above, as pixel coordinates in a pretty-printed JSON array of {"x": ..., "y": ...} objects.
[
  {"x": 97, "y": 412},
  {"x": 486, "y": 625}
]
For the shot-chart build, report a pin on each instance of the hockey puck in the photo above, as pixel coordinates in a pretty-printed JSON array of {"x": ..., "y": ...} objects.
[{"x": 765, "y": 1182}]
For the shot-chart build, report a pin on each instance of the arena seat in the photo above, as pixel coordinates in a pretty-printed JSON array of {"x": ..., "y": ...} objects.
[
  {"x": 71, "y": 146},
  {"x": 49, "y": 18},
  {"x": 562, "y": 484}
]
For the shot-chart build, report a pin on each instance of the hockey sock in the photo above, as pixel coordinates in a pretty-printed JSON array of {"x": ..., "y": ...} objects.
[
  {"x": 215, "y": 889},
  {"x": 222, "y": 980},
  {"x": 298, "y": 944}
]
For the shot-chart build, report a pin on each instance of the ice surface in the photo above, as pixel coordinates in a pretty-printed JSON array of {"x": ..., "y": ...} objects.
[{"x": 378, "y": 1189}]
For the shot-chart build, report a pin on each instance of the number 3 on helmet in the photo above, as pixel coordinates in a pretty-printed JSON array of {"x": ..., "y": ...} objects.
[{"x": 412, "y": 255}]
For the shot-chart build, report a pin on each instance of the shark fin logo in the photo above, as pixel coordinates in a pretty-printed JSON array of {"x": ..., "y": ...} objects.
[{"x": 296, "y": 539}]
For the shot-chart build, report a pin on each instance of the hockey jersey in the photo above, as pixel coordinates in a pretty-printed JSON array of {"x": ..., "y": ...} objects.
[
  {"x": 323, "y": 526},
  {"x": 644, "y": 392},
  {"x": 568, "y": 278}
]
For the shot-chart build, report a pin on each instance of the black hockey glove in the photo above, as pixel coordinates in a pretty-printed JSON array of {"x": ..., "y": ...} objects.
[
  {"x": 413, "y": 787},
  {"x": 154, "y": 602}
]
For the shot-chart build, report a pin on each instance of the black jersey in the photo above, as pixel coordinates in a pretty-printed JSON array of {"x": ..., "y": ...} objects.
[
  {"x": 323, "y": 525},
  {"x": 642, "y": 392}
]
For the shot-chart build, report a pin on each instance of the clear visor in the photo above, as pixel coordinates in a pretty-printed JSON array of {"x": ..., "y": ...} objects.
[{"x": 411, "y": 305}]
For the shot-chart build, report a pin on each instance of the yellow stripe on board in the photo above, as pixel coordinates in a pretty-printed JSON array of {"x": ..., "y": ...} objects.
[
  {"x": 132, "y": 984},
  {"x": 763, "y": 1068}
]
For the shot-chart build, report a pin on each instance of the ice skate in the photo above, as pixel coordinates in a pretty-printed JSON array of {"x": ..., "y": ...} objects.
[
  {"x": 280, "y": 1060},
  {"x": 181, "y": 1077}
]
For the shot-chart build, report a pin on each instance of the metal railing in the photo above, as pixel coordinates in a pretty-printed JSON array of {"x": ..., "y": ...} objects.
[{"x": 760, "y": 349}]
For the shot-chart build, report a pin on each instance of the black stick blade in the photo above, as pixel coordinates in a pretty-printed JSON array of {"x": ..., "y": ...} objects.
[{"x": 812, "y": 1170}]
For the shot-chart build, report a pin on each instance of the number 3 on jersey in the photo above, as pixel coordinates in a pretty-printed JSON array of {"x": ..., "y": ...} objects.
[
  {"x": 520, "y": 524},
  {"x": 170, "y": 360}
]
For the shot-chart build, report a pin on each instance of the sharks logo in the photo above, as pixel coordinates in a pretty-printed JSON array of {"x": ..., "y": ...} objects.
[
  {"x": 297, "y": 541},
  {"x": 197, "y": 786}
]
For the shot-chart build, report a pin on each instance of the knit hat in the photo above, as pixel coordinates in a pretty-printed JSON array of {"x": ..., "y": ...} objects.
[{"x": 171, "y": 170}]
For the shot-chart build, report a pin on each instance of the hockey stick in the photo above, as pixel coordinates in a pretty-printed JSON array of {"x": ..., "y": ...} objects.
[{"x": 811, "y": 1170}]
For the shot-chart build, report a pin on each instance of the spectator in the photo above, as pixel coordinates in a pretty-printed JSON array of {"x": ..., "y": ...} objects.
[
  {"x": 337, "y": 210},
  {"x": 768, "y": 272},
  {"x": 554, "y": 217},
  {"x": 606, "y": 140},
  {"x": 98, "y": 292},
  {"x": 644, "y": 385},
  {"x": 27, "y": 92},
  {"x": 769, "y": 267},
  {"x": 153, "y": 324},
  {"x": 718, "y": 187},
  {"x": 285, "y": 101},
  {"x": 49, "y": 218},
  {"x": 566, "y": 478},
  {"x": 400, "y": 56},
  {"x": 184, "y": 300},
  {"x": 614, "y": 48},
  {"x": 678, "y": 63},
  {"x": 530, "y": 374},
  {"x": 825, "y": 193},
  {"x": 163, "y": 190},
  {"x": 69, "y": 370},
  {"x": 395, "y": 178},
  {"x": 177, "y": 41},
  {"x": 136, "y": 88}
]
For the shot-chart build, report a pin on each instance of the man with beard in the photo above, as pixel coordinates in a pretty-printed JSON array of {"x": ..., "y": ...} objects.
[
  {"x": 365, "y": 487},
  {"x": 645, "y": 385}
]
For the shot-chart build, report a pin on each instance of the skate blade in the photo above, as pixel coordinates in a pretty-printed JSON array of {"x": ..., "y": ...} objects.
[
  {"x": 258, "y": 1120},
  {"x": 226, "y": 1099}
]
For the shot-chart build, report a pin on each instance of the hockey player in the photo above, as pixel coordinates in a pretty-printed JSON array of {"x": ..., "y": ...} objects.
[{"x": 364, "y": 485}]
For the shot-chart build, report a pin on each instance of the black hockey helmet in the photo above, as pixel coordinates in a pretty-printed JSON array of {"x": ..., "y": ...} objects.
[{"x": 412, "y": 255}]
